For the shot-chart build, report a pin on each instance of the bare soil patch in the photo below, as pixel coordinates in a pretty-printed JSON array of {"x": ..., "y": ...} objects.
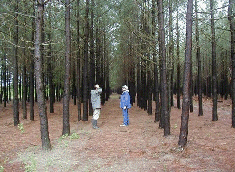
[{"x": 138, "y": 147}]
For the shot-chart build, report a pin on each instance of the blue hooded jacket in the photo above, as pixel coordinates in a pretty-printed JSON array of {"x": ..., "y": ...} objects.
[{"x": 125, "y": 100}]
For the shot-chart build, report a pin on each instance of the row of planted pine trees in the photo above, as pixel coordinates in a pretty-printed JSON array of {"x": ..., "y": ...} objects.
[
  {"x": 168, "y": 60},
  {"x": 56, "y": 51}
]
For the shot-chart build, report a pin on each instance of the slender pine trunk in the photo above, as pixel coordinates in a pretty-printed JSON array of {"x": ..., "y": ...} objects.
[
  {"x": 15, "y": 69},
  {"x": 66, "y": 98},
  {"x": 85, "y": 70},
  {"x": 162, "y": 50},
  {"x": 186, "y": 84},
  {"x": 200, "y": 111},
  {"x": 214, "y": 73},
  {"x": 178, "y": 59},
  {"x": 232, "y": 30},
  {"x": 46, "y": 145}
]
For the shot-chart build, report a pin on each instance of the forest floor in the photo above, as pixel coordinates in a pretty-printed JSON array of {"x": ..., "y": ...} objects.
[{"x": 139, "y": 147}]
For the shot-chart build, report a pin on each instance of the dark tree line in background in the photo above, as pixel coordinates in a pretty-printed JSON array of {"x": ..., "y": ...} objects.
[{"x": 57, "y": 50}]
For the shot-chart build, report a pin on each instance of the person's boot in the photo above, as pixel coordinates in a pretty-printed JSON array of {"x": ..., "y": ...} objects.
[{"x": 95, "y": 124}]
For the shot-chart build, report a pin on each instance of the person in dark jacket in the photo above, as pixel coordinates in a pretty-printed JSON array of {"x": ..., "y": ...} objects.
[
  {"x": 125, "y": 105},
  {"x": 96, "y": 105}
]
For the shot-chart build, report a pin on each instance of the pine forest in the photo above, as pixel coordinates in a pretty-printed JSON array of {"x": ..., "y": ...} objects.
[{"x": 177, "y": 59}]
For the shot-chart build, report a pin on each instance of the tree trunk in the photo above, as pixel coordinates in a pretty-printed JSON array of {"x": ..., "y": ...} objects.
[
  {"x": 24, "y": 75},
  {"x": 162, "y": 50},
  {"x": 186, "y": 84},
  {"x": 31, "y": 87},
  {"x": 50, "y": 78},
  {"x": 66, "y": 98},
  {"x": 200, "y": 111},
  {"x": 74, "y": 91},
  {"x": 156, "y": 86},
  {"x": 46, "y": 145},
  {"x": 15, "y": 70},
  {"x": 138, "y": 81},
  {"x": 92, "y": 58},
  {"x": 85, "y": 71},
  {"x": 103, "y": 67},
  {"x": 178, "y": 58},
  {"x": 24, "y": 83},
  {"x": 107, "y": 79},
  {"x": 31, "y": 75},
  {"x": 191, "y": 89},
  {"x": 31, "y": 84},
  {"x": 78, "y": 65},
  {"x": 214, "y": 77},
  {"x": 50, "y": 67},
  {"x": 232, "y": 30},
  {"x": 149, "y": 86},
  {"x": 1, "y": 91},
  {"x": 19, "y": 86},
  {"x": 8, "y": 86},
  {"x": 171, "y": 54},
  {"x": 5, "y": 80}
]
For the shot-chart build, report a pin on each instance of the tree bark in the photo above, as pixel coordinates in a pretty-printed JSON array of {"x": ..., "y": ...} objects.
[
  {"x": 156, "y": 85},
  {"x": 92, "y": 57},
  {"x": 200, "y": 111},
  {"x": 186, "y": 84},
  {"x": 31, "y": 84},
  {"x": 31, "y": 87},
  {"x": 5, "y": 80},
  {"x": 24, "y": 74},
  {"x": 149, "y": 86},
  {"x": 66, "y": 98},
  {"x": 24, "y": 98},
  {"x": 178, "y": 59},
  {"x": 171, "y": 54},
  {"x": 78, "y": 64},
  {"x": 85, "y": 71},
  {"x": 214, "y": 73},
  {"x": 15, "y": 70},
  {"x": 50, "y": 69},
  {"x": 191, "y": 89},
  {"x": 162, "y": 50},
  {"x": 46, "y": 145},
  {"x": 232, "y": 30}
]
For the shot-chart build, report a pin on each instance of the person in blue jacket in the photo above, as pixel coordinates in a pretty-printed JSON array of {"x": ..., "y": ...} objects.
[{"x": 125, "y": 104}]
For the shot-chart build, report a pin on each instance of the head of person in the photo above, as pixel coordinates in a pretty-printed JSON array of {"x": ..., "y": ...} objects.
[
  {"x": 124, "y": 88},
  {"x": 97, "y": 86}
]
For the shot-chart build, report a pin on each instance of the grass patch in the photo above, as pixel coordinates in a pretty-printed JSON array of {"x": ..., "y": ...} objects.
[
  {"x": 74, "y": 136},
  {"x": 32, "y": 166},
  {"x": 1, "y": 168},
  {"x": 21, "y": 127}
]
